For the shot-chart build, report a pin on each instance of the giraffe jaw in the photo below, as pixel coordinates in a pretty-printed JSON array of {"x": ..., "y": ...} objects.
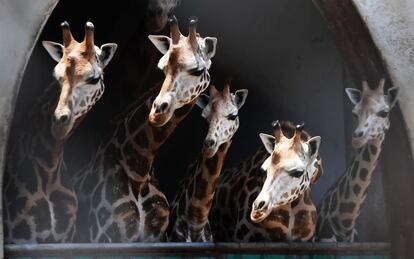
[
  {"x": 209, "y": 152},
  {"x": 259, "y": 216},
  {"x": 158, "y": 120},
  {"x": 61, "y": 132}
]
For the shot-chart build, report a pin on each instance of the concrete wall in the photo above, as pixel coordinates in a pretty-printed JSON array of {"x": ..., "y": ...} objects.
[
  {"x": 21, "y": 22},
  {"x": 391, "y": 24}
]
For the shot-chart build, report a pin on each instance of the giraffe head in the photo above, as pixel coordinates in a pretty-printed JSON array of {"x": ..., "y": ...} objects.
[
  {"x": 372, "y": 108},
  {"x": 221, "y": 112},
  {"x": 158, "y": 12},
  {"x": 79, "y": 72},
  {"x": 290, "y": 169},
  {"x": 185, "y": 63}
]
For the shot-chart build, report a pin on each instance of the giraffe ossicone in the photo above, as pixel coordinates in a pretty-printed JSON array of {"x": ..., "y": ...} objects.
[
  {"x": 185, "y": 63},
  {"x": 342, "y": 203},
  {"x": 79, "y": 72}
]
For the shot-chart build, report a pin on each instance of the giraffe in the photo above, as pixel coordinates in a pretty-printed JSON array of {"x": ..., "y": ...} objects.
[
  {"x": 192, "y": 204},
  {"x": 268, "y": 198},
  {"x": 342, "y": 203},
  {"x": 39, "y": 202},
  {"x": 120, "y": 197},
  {"x": 158, "y": 12}
]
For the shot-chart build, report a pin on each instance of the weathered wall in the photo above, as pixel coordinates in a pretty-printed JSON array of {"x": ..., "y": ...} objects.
[
  {"x": 21, "y": 22},
  {"x": 391, "y": 24}
]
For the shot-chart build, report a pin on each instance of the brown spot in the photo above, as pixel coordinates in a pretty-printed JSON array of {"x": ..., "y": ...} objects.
[
  {"x": 347, "y": 223},
  {"x": 356, "y": 189},
  {"x": 141, "y": 139},
  {"x": 363, "y": 174},
  {"x": 201, "y": 187},
  {"x": 277, "y": 234},
  {"x": 354, "y": 169},
  {"x": 279, "y": 215},
  {"x": 366, "y": 155},
  {"x": 212, "y": 164},
  {"x": 346, "y": 207},
  {"x": 275, "y": 158},
  {"x": 308, "y": 198},
  {"x": 374, "y": 149}
]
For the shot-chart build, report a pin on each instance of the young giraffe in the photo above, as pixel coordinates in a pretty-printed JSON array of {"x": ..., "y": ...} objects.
[
  {"x": 191, "y": 206},
  {"x": 342, "y": 204},
  {"x": 39, "y": 201},
  {"x": 121, "y": 200},
  {"x": 268, "y": 198}
]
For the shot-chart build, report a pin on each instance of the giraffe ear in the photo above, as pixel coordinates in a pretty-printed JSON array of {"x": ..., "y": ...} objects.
[
  {"x": 240, "y": 97},
  {"x": 313, "y": 145},
  {"x": 107, "y": 53},
  {"x": 269, "y": 142},
  {"x": 161, "y": 42},
  {"x": 392, "y": 96},
  {"x": 203, "y": 100},
  {"x": 210, "y": 46},
  {"x": 354, "y": 95},
  {"x": 54, "y": 49}
]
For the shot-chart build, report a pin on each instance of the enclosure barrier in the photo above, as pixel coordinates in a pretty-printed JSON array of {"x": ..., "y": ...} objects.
[{"x": 200, "y": 250}]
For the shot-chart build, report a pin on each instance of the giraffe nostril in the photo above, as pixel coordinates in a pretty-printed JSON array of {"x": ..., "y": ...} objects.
[
  {"x": 161, "y": 108},
  {"x": 208, "y": 143},
  {"x": 62, "y": 119},
  {"x": 260, "y": 205},
  {"x": 164, "y": 107}
]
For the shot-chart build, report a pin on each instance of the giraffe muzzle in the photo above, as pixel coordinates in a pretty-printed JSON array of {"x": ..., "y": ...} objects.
[
  {"x": 259, "y": 211},
  {"x": 62, "y": 118}
]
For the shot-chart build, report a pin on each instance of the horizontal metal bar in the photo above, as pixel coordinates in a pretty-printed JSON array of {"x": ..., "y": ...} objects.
[{"x": 199, "y": 249}]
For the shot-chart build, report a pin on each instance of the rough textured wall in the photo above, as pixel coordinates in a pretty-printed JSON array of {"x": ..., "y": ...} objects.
[
  {"x": 391, "y": 24},
  {"x": 21, "y": 22}
]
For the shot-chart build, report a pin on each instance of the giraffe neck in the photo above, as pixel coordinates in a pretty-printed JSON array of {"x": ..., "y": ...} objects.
[
  {"x": 200, "y": 193},
  {"x": 347, "y": 197},
  {"x": 35, "y": 170},
  {"x": 139, "y": 141},
  {"x": 44, "y": 149}
]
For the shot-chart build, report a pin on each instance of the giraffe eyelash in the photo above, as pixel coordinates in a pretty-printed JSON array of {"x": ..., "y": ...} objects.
[
  {"x": 232, "y": 117},
  {"x": 296, "y": 173},
  {"x": 196, "y": 71},
  {"x": 93, "y": 80}
]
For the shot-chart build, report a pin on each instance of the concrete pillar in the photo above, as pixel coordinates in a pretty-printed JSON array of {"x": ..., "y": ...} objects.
[{"x": 21, "y": 22}]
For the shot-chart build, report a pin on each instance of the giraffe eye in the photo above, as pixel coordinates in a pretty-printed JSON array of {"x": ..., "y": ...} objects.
[
  {"x": 232, "y": 117},
  {"x": 92, "y": 80},
  {"x": 382, "y": 114},
  {"x": 296, "y": 173},
  {"x": 196, "y": 72}
]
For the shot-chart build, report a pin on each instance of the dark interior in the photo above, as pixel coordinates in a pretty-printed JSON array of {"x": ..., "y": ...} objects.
[{"x": 282, "y": 52}]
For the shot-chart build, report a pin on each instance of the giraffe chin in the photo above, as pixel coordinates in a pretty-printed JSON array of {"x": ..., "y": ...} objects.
[
  {"x": 158, "y": 120},
  {"x": 259, "y": 216},
  {"x": 209, "y": 152},
  {"x": 61, "y": 133},
  {"x": 358, "y": 143}
]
